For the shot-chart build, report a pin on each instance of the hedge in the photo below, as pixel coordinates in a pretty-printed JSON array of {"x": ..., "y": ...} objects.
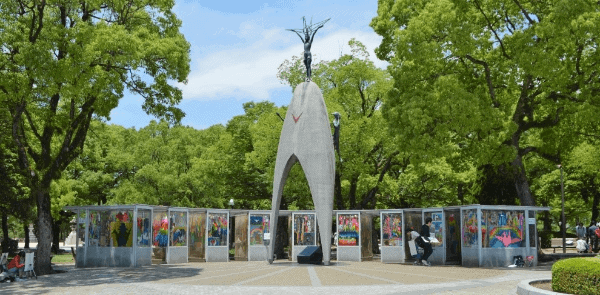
[{"x": 577, "y": 276}]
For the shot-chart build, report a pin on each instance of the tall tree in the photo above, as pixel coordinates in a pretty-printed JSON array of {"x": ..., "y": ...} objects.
[
  {"x": 489, "y": 80},
  {"x": 65, "y": 62}
]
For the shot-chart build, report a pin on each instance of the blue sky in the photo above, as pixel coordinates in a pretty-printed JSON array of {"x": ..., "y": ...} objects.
[{"x": 237, "y": 46}]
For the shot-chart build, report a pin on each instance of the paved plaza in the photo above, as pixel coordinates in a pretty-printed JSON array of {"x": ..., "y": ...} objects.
[{"x": 282, "y": 277}]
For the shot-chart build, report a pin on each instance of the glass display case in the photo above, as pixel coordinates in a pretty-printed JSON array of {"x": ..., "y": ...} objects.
[
  {"x": 392, "y": 236},
  {"x": 217, "y": 236},
  {"x": 304, "y": 232},
  {"x": 160, "y": 234},
  {"x": 197, "y": 234},
  {"x": 348, "y": 232},
  {"x": 113, "y": 235},
  {"x": 258, "y": 235}
]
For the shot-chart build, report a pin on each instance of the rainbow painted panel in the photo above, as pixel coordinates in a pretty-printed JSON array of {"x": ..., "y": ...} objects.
[
  {"x": 259, "y": 225},
  {"x": 348, "y": 230},
  {"x": 504, "y": 228}
]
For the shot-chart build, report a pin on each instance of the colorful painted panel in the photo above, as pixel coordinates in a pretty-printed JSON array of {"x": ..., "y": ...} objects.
[
  {"x": 93, "y": 228},
  {"x": 143, "y": 228},
  {"x": 160, "y": 229},
  {"x": 178, "y": 231},
  {"x": 392, "y": 229},
  {"x": 259, "y": 225},
  {"x": 217, "y": 230},
  {"x": 121, "y": 228},
  {"x": 197, "y": 232},
  {"x": 470, "y": 230},
  {"x": 348, "y": 230},
  {"x": 437, "y": 226},
  {"x": 304, "y": 229},
  {"x": 503, "y": 228}
]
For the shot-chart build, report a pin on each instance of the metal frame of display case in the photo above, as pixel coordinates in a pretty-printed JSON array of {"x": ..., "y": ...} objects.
[
  {"x": 102, "y": 256},
  {"x": 258, "y": 252},
  {"x": 348, "y": 253},
  {"x": 178, "y": 254},
  {"x": 501, "y": 257},
  {"x": 439, "y": 250},
  {"x": 239, "y": 233},
  {"x": 392, "y": 254},
  {"x": 216, "y": 253},
  {"x": 452, "y": 242},
  {"x": 297, "y": 249},
  {"x": 193, "y": 246}
]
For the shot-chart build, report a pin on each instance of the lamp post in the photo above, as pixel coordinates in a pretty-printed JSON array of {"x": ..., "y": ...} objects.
[
  {"x": 230, "y": 203},
  {"x": 563, "y": 225}
]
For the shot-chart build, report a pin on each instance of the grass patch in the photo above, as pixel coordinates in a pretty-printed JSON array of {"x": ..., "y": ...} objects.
[{"x": 63, "y": 258}]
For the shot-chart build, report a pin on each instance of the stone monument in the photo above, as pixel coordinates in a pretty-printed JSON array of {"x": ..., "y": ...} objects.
[{"x": 306, "y": 138}]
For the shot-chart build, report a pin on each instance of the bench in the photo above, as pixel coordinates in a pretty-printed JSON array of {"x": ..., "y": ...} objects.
[{"x": 560, "y": 247}]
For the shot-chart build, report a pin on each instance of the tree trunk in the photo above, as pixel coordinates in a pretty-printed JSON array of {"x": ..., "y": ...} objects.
[
  {"x": 352, "y": 192},
  {"x": 4, "y": 232},
  {"x": 521, "y": 183},
  {"x": 338, "y": 192},
  {"x": 55, "y": 236},
  {"x": 595, "y": 205},
  {"x": 42, "y": 256},
  {"x": 26, "y": 231}
]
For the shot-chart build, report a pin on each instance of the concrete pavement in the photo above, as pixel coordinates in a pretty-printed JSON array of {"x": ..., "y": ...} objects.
[{"x": 282, "y": 277}]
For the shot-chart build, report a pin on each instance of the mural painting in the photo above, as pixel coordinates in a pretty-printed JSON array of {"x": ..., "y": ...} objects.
[
  {"x": 217, "y": 229},
  {"x": 143, "y": 228},
  {"x": 94, "y": 228},
  {"x": 259, "y": 225},
  {"x": 178, "y": 230},
  {"x": 304, "y": 229},
  {"x": 121, "y": 228},
  {"x": 392, "y": 229},
  {"x": 348, "y": 230},
  {"x": 470, "y": 230},
  {"x": 437, "y": 226},
  {"x": 160, "y": 229},
  {"x": 504, "y": 229}
]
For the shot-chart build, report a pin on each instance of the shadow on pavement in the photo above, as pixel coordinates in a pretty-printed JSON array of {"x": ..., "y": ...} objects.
[{"x": 77, "y": 277}]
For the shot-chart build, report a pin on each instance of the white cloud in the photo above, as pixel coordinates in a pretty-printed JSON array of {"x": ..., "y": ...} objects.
[{"x": 249, "y": 71}]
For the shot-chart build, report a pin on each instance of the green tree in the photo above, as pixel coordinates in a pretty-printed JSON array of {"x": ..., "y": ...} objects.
[
  {"x": 65, "y": 62},
  {"x": 14, "y": 192},
  {"x": 489, "y": 81}
]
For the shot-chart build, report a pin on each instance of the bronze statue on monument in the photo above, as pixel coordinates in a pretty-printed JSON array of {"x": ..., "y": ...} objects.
[{"x": 309, "y": 35}]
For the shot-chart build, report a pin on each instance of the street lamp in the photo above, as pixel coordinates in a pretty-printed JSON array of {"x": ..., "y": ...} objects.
[
  {"x": 231, "y": 203},
  {"x": 563, "y": 225}
]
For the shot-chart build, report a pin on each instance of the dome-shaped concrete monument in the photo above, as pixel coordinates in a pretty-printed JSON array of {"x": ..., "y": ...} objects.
[{"x": 306, "y": 138}]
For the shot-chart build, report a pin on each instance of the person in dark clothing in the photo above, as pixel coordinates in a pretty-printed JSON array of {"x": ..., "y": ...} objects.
[{"x": 423, "y": 241}]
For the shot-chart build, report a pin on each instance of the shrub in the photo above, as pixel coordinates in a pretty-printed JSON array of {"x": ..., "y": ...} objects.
[{"x": 577, "y": 276}]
